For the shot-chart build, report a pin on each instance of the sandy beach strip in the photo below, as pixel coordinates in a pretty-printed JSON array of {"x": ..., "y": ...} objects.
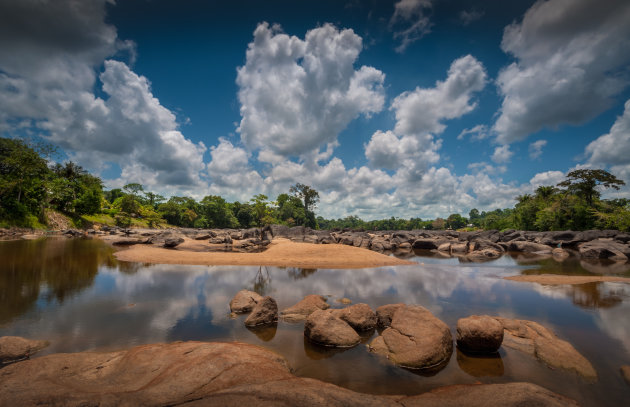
[
  {"x": 554, "y": 279},
  {"x": 281, "y": 252}
]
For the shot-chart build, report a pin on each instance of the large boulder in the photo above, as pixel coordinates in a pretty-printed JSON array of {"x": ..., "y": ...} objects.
[
  {"x": 415, "y": 339},
  {"x": 324, "y": 328},
  {"x": 222, "y": 374},
  {"x": 532, "y": 338},
  {"x": 428, "y": 243},
  {"x": 384, "y": 314},
  {"x": 244, "y": 301},
  {"x": 605, "y": 249},
  {"x": 15, "y": 348},
  {"x": 305, "y": 307},
  {"x": 358, "y": 316},
  {"x": 264, "y": 312},
  {"x": 479, "y": 333}
]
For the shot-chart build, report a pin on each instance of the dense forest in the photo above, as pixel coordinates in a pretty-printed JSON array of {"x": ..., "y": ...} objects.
[{"x": 30, "y": 186}]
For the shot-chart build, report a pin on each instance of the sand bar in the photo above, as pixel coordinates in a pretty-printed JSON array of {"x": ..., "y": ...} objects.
[
  {"x": 554, "y": 279},
  {"x": 281, "y": 252}
]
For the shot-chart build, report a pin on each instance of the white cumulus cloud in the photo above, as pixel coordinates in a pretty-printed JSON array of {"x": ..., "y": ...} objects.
[
  {"x": 571, "y": 62},
  {"x": 298, "y": 95}
]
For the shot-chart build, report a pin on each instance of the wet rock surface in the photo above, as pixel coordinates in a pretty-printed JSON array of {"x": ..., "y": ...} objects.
[
  {"x": 244, "y": 301},
  {"x": 15, "y": 348},
  {"x": 532, "y": 338},
  {"x": 300, "y": 311},
  {"x": 479, "y": 333},
  {"x": 415, "y": 339}
]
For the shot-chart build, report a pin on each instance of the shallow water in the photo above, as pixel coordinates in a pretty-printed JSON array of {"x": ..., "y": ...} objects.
[{"x": 76, "y": 295}]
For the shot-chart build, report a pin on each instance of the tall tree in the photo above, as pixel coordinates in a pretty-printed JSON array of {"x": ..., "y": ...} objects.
[
  {"x": 584, "y": 183},
  {"x": 308, "y": 195}
]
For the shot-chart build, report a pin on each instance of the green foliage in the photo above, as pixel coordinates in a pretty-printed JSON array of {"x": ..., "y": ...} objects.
[{"x": 583, "y": 183}]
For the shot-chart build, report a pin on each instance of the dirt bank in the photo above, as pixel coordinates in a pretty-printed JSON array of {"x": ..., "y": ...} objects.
[{"x": 281, "y": 252}]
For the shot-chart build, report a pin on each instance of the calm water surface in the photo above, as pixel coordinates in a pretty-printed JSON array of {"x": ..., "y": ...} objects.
[{"x": 76, "y": 295}]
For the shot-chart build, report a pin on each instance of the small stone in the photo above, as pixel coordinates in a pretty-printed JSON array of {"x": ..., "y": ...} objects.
[
  {"x": 344, "y": 301},
  {"x": 15, "y": 348}
]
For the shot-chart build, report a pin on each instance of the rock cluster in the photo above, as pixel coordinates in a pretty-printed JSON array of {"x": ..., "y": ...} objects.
[
  {"x": 225, "y": 374},
  {"x": 263, "y": 310}
]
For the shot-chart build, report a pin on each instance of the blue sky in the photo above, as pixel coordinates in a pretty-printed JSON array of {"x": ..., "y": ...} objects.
[{"x": 388, "y": 108}]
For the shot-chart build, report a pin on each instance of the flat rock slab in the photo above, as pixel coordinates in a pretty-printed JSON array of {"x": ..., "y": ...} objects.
[
  {"x": 415, "y": 339},
  {"x": 244, "y": 301},
  {"x": 324, "y": 328},
  {"x": 489, "y": 395},
  {"x": 532, "y": 338},
  {"x": 15, "y": 348},
  {"x": 223, "y": 374},
  {"x": 305, "y": 307}
]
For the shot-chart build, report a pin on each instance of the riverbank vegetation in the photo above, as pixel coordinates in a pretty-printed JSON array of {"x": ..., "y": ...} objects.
[{"x": 31, "y": 187}]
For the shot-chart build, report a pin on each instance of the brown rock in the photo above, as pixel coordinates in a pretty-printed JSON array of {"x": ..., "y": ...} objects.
[
  {"x": 384, "y": 314},
  {"x": 15, "y": 348},
  {"x": 264, "y": 312},
  {"x": 304, "y": 308},
  {"x": 358, "y": 316},
  {"x": 323, "y": 328},
  {"x": 244, "y": 301},
  {"x": 529, "y": 247},
  {"x": 559, "y": 254},
  {"x": 416, "y": 339},
  {"x": 479, "y": 333},
  {"x": 605, "y": 249},
  {"x": 489, "y": 395},
  {"x": 536, "y": 340}
]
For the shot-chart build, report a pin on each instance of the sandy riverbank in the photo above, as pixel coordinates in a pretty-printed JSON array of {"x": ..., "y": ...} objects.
[
  {"x": 553, "y": 279},
  {"x": 281, "y": 252}
]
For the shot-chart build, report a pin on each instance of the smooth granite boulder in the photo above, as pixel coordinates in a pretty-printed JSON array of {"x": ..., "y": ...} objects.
[
  {"x": 479, "y": 333},
  {"x": 324, "y": 328},
  {"x": 305, "y": 307},
  {"x": 359, "y": 316},
  {"x": 15, "y": 348},
  {"x": 264, "y": 312},
  {"x": 244, "y": 301},
  {"x": 415, "y": 339}
]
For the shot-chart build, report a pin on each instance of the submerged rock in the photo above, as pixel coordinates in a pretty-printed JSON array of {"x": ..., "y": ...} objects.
[
  {"x": 264, "y": 312},
  {"x": 244, "y": 301},
  {"x": 324, "y": 328},
  {"x": 415, "y": 339},
  {"x": 536, "y": 340},
  {"x": 479, "y": 333},
  {"x": 300, "y": 311},
  {"x": 15, "y": 348}
]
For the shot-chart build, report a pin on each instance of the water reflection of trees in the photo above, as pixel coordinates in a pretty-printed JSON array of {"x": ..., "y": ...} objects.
[
  {"x": 298, "y": 273},
  {"x": 593, "y": 295},
  {"x": 63, "y": 266},
  {"x": 262, "y": 280}
]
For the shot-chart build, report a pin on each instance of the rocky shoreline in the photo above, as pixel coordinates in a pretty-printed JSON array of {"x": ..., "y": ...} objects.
[{"x": 474, "y": 246}]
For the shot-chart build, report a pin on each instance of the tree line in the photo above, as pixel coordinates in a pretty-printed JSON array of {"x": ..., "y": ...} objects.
[{"x": 30, "y": 185}]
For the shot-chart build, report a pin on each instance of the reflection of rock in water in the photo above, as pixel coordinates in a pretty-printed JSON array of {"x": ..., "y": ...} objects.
[
  {"x": 593, "y": 295},
  {"x": 264, "y": 332},
  {"x": 604, "y": 266},
  {"x": 300, "y": 273},
  {"x": 318, "y": 352},
  {"x": 480, "y": 365}
]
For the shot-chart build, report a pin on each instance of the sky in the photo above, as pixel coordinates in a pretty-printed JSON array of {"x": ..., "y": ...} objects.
[{"x": 409, "y": 108}]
